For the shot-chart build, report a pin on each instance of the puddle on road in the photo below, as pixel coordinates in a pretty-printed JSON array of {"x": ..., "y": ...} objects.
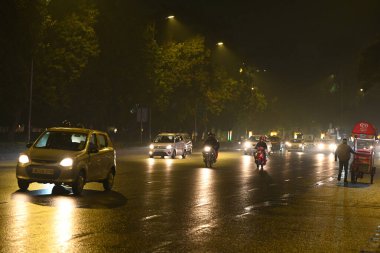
[{"x": 319, "y": 183}]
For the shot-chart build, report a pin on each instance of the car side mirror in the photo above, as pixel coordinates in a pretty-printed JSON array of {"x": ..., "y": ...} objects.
[
  {"x": 93, "y": 148},
  {"x": 28, "y": 145}
]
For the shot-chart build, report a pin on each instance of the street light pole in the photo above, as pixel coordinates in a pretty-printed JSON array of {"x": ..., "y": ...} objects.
[{"x": 30, "y": 100}]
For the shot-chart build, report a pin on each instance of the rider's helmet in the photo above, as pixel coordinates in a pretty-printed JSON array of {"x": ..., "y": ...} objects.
[
  {"x": 262, "y": 138},
  {"x": 210, "y": 134}
]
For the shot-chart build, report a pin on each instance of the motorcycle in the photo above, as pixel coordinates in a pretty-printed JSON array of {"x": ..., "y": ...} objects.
[
  {"x": 260, "y": 159},
  {"x": 209, "y": 156}
]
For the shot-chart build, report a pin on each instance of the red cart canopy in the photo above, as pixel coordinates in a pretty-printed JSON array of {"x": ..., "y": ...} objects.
[{"x": 364, "y": 128}]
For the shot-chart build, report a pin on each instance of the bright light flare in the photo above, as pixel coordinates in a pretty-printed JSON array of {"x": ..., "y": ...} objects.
[
  {"x": 207, "y": 149},
  {"x": 67, "y": 162},
  {"x": 23, "y": 159}
]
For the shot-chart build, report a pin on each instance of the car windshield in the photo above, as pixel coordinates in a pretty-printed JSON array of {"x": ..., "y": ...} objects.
[
  {"x": 62, "y": 140},
  {"x": 164, "y": 138}
]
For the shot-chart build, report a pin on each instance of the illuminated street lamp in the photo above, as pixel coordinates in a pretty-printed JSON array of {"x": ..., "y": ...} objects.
[
  {"x": 219, "y": 43},
  {"x": 170, "y": 17}
]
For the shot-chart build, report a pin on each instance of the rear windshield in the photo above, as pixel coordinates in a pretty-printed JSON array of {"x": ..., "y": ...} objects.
[{"x": 62, "y": 140}]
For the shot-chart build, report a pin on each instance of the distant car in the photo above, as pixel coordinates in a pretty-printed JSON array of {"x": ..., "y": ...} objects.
[
  {"x": 68, "y": 156},
  {"x": 309, "y": 145},
  {"x": 308, "y": 141},
  {"x": 168, "y": 144},
  {"x": 188, "y": 142},
  {"x": 295, "y": 145},
  {"x": 276, "y": 143},
  {"x": 326, "y": 146},
  {"x": 250, "y": 144}
]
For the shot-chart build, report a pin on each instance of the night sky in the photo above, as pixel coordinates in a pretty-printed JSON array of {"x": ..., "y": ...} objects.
[{"x": 301, "y": 43}]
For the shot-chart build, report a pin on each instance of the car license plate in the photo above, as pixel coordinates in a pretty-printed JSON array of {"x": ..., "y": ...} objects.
[{"x": 43, "y": 171}]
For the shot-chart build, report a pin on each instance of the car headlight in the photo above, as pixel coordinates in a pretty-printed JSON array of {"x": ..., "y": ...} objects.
[
  {"x": 169, "y": 147},
  {"x": 207, "y": 149},
  {"x": 288, "y": 144},
  {"x": 247, "y": 144},
  {"x": 23, "y": 159},
  {"x": 67, "y": 162},
  {"x": 300, "y": 145},
  {"x": 321, "y": 145},
  {"x": 151, "y": 146}
]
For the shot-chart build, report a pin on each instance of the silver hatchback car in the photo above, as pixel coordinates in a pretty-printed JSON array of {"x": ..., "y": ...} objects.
[
  {"x": 168, "y": 144},
  {"x": 68, "y": 156}
]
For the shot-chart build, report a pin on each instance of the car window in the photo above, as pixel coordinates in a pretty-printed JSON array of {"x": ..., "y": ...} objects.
[
  {"x": 102, "y": 141},
  {"x": 62, "y": 140},
  {"x": 93, "y": 140}
]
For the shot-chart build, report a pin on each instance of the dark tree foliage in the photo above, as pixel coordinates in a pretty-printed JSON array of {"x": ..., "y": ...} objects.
[{"x": 369, "y": 66}]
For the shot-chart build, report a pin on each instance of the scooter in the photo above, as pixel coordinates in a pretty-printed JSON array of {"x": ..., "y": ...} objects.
[
  {"x": 209, "y": 156},
  {"x": 260, "y": 159}
]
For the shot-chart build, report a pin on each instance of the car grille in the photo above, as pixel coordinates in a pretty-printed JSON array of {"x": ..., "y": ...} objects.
[
  {"x": 160, "y": 147},
  {"x": 55, "y": 172},
  {"x": 43, "y": 161}
]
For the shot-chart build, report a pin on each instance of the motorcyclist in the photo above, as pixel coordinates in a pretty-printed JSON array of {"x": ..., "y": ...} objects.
[
  {"x": 213, "y": 142},
  {"x": 263, "y": 145}
]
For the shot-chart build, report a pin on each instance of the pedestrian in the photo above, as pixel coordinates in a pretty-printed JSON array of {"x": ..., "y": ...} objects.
[{"x": 343, "y": 152}]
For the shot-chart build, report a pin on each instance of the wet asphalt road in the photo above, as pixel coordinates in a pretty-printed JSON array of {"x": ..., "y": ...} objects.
[{"x": 165, "y": 205}]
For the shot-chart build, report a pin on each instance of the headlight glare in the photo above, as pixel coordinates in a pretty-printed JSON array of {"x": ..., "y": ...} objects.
[
  {"x": 66, "y": 162},
  {"x": 23, "y": 159},
  {"x": 169, "y": 147},
  {"x": 207, "y": 149},
  {"x": 151, "y": 146}
]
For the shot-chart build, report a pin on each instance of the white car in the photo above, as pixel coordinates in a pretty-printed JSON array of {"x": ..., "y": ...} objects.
[
  {"x": 326, "y": 146},
  {"x": 295, "y": 145},
  {"x": 168, "y": 144}
]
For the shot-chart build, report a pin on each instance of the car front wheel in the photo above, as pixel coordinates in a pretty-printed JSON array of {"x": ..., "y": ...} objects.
[
  {"x": 23, "y": 184},
  {"x": 78, "y": 185},
  {"x": 108, "y": 182},
  {"x": 173, "y": 154}
]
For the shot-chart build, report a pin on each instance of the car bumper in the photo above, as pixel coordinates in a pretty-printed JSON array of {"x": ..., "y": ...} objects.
[
  {"x": 45, "y": 174},
  {"x": 160, "y": 152}
]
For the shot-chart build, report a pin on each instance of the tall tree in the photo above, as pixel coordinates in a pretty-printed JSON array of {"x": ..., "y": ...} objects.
[
  {"x": 369, "y": 66},
  {"x": 20, "y": 32}
]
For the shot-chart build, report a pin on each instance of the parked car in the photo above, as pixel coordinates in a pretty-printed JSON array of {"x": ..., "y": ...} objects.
[
  {"x": 188, "y": 142},
  {"x": 168, "y": 144},
  {"x": 295, "y": 145},
  {"x": 68, "y": 156}
]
